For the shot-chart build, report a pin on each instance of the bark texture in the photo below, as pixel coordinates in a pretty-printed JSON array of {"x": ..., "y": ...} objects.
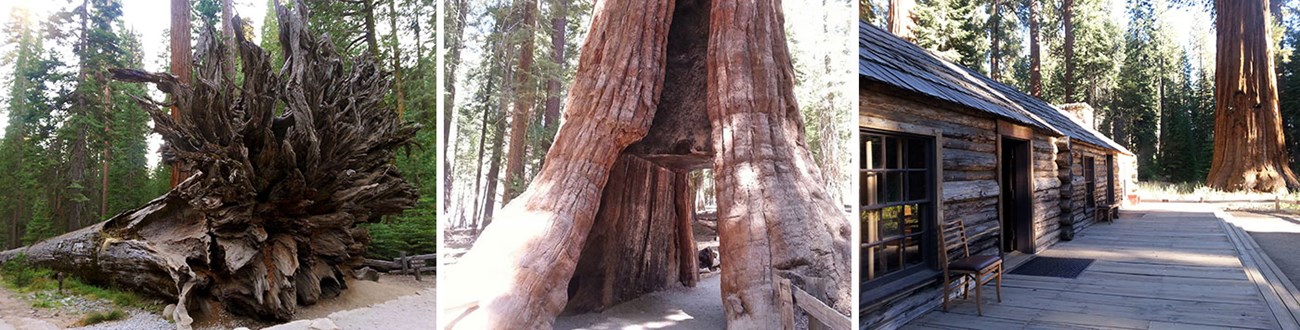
[
  {"x": 515, "y": 276},
  {"x": 1035, "y": 49},
  {"x": 266, "y": 222},
  {"x": 774, "y": 217},
  {"x": 634, "y": 246},
  {"x": 1249, "y": 146}
]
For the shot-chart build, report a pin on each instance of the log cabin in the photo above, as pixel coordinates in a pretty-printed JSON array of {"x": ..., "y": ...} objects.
[{"x": 942, "y": 143}]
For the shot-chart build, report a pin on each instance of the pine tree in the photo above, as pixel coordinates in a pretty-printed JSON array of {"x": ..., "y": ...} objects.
[{"x": 953, "y": 29}]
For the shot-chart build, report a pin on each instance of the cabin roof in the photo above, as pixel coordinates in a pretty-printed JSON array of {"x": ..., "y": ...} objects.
[{"x": 888, "y": 59}]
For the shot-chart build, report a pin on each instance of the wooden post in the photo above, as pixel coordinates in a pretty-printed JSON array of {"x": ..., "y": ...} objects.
[
  {"x": 1277, "y": 203},
  {"x": 402, "y": 261},
  {"x": 784, "y": 295},
  {"x": 417, "y": 271}
]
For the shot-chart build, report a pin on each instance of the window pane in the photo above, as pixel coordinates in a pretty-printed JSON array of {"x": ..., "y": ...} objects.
[
  {"x": 893, "y": 187},
  {"x": 917, "y": 185},
  {"x": 892, "y": 154},
  {"x": 872, "y": 152},
  {"x": 889, "y": 255},
  {"x": 912, "y": 251},
  {"x": 916, "y": 150},
  {"x": 869, "y": 188},
  {"x": 912, "y": 219},
  {"x": 891, "y": 221}
]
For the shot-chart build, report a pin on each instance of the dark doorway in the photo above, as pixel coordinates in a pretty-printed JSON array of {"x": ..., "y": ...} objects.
[{"x": 1017, "y": 195}]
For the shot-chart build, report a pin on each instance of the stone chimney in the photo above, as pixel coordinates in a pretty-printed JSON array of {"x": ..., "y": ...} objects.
[{"x": 1081, "y": 113}]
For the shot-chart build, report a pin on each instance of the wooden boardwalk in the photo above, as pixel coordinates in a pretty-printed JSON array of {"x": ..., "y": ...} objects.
[{"x": 1154, "y": 269}]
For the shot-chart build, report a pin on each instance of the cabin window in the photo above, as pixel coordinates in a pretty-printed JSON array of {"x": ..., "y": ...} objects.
[{"x": 897, "y": 205}]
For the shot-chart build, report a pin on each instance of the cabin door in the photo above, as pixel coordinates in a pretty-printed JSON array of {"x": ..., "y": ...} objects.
[{"x": 1015, "y": 164}]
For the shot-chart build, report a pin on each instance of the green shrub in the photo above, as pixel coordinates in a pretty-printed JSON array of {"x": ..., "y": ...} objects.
[{"x": 100, "y": 317}]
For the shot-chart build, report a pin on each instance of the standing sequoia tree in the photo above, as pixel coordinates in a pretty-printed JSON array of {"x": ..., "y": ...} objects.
[
  {"x": 266, "y": 221},
  {"x": 775, "y": 220},
  {"x": 1249, "y": 145}
]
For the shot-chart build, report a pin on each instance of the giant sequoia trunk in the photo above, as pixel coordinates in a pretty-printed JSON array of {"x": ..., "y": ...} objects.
[
  {"x": 775, "y": 219},
  {"x": 596, "y": 226},
  {"x": 1249, "y": 145},
  {"x": 266, "y": 222},
  {"x": 515, "y": 276}
]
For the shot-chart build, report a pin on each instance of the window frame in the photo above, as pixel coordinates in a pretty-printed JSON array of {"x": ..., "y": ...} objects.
[{"x": 932, "y": 211}]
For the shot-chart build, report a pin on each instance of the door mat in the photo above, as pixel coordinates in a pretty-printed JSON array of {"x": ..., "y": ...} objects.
[{"x": 1053, "y": 267}]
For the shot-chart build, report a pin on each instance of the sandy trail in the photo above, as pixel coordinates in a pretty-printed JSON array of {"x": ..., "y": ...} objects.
[{"x": 677, "y": 308}]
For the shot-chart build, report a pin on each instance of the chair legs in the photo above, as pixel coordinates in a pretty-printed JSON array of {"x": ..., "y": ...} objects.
[
  {"x": 979, "y": 303},
  {"x": 999, "y": 283},
  {"x": 947, "y": 287},
  {"x": 973, "y": 282}
]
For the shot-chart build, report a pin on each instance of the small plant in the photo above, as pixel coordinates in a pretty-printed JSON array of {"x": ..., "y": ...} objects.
[{"x": 101, "y": 317}]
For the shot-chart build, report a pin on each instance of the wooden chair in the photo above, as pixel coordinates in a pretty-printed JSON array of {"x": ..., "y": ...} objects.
[{"x": 968, "y": 269}]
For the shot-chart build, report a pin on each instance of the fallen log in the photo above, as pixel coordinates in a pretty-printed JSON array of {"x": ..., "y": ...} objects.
[{"x": 267, "y": 220}]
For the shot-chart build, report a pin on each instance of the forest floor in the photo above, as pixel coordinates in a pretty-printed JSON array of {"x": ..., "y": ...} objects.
[{"x": 394, "y": 302}]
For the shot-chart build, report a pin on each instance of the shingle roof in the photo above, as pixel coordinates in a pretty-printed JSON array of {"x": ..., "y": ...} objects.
[{"x": 891, "y": 60}]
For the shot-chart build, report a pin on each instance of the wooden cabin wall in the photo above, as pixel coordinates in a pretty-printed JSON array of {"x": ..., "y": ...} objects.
[
  {"x": 1084, "y": 217},
  {"x": 970, "y": 187},
  {"x": 1047, "y": 193}
]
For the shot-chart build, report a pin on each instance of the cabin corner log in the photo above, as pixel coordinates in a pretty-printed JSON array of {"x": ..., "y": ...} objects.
[{"x": 266, "y": 222}]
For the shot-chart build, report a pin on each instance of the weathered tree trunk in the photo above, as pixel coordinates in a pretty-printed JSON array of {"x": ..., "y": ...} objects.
[
  {"x": 995, "y": 41},
  {"x": 774, "y": 218},
  {"x": 475, "y": 216},
  {"x": 267, "y": 221},
  {"x": 228, "y": 37},
  {"x": 559, "y": 25},
  {"x": 180, "y": 66},
  {"x": 1067, "y": 20},
  {"x": 1249, "y": 145},
  {"x": 399, "y": 94},
  {"x": 900, "y": 18},
  {"x": 1035, "y": 52},
  {"x": 455, "y": 42},
  {"x": 521, "y": 114},
  {"x": 636, "y": 242},
  {"x": 515, "y": 276},
  {"x": 368, "y": 16}
]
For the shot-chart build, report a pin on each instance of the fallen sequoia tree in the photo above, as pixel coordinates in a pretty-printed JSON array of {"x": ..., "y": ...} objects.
[
  {"x": 663, "y": 87},
  {"x": 267, "y": 221}
]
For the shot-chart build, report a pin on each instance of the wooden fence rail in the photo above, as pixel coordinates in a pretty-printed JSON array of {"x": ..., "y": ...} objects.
[
  {"x": 1276, "y": 200},
  {"x": 415, "y": 265},
  {"x": 792, "y": 296}
]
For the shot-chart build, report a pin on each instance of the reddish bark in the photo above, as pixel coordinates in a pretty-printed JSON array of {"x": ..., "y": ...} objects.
[
  {"x": 775, "y": 219},
  {"x": 515, "y": 276},
  {"x": 1249, "y": 145}
]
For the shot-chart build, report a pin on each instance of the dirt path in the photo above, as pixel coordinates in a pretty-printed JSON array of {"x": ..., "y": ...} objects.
[
  {"x": 677, "y": 308},
  {"x": 15, "y": 311},
  {"x": 1279, "y": 235}
]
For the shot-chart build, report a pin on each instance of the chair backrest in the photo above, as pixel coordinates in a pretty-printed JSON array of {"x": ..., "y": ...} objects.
[{"x": 954, "y": 232}]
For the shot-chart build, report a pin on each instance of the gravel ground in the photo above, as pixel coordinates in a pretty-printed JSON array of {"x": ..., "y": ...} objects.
[
  {"x": 137, "y": 321},
  {"x": 1278, "y": 235},
  {"x": 677, "y": 308}
]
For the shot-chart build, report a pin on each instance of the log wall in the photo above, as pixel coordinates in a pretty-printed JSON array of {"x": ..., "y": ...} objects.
[
  {"x": 970, "y": 186},
  {"x": 1081, "y": 215}
]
